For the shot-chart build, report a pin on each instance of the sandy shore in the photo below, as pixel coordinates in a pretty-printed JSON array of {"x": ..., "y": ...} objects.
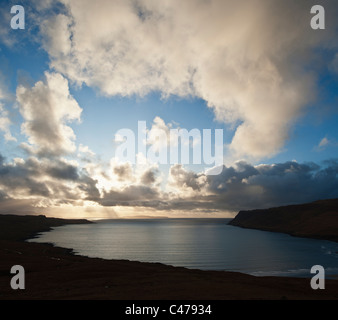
[{"x": 54, "y": 273}]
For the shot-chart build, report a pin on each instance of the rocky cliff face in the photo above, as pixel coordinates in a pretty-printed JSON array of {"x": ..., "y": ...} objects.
[{"x": 313, "y": 220}]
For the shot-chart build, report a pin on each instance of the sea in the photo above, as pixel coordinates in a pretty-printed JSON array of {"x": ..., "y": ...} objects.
[{"x": 207, "y": 244}]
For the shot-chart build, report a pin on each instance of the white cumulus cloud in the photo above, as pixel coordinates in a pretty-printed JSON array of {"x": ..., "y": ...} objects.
[
  {"x": 47, "y": 109},
  {"x": 247, "y": 59}
]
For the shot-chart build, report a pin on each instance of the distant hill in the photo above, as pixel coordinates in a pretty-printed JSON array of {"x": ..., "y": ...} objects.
[
  {"x": 317, "y": 219},
  {"x": 145, "y": 217},
  {"x": 13, "y": 227}
]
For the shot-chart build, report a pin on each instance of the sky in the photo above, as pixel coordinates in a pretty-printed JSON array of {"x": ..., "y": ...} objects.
[{"x": 81, "y": 78}]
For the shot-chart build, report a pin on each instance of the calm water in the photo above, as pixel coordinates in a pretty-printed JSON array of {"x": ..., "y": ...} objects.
[{"x": 208, "y": 244}]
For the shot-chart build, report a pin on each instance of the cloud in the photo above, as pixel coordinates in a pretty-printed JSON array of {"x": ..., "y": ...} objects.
[
  {"x": 158, "y": 136},
  {"x": 5, "y": 121},
  {"x": 238, "y": 187},
  {"x": 123, "y": 171},
  {"x": 6, "y": 37},
  {"x": 123, "y": 184},
  {"x": 85, "y": 150},
  {"x": 179, "y": 177},
  {"x": 5, "y": 124},
  {"x": 46, "y": 181},
  {"x": 249, "y": 60},
  {"x": 50, "y": 183},
  {"x": 244, "y": 186},
  {"x": 125, "y": 174},
  {"x": 134, "y": 195},
  {"x": 325, "y": 143},
  {"x": 47, "y": 109},
  {"x": 149, "y": 176}
]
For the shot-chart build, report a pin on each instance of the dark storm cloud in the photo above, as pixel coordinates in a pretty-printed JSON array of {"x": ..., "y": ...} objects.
[
  {"x": 244, "y": 186},
  {"x": 123, "y": 171},
  {"x": 238, "y": 187},
  {"x": 63, "y": 171},
  {"x": 88, "y": 186},
  {"x": 22, "y": 176},
  {"x": 149, "y": 177},
  {"x": 134, "y": 195},
  {"x": 47, "y": 179}
]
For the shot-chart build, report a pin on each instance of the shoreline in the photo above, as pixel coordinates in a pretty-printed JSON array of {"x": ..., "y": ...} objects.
[
  {"x": 55, "y": 273},
  {"x": 304, "y": 273},
  {"x": 304, "y": 236}
]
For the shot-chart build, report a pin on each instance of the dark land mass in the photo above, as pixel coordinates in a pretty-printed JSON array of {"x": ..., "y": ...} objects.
[
  {"x": 318, "y": 220},
  {"x": 26, "y": 227},
  {"x": 53, "y": 273}
]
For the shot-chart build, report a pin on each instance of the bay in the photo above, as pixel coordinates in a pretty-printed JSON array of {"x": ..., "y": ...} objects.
[{"x": 207, "y": 244}]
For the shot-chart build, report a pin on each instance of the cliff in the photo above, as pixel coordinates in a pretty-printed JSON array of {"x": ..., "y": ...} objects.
[
  {"x": 312, "y": 220},
  {"x": 17, "y": 228}
]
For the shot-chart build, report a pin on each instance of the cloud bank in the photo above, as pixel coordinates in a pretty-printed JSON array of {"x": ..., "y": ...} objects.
[
  {"x": 49, "y": 183},
  {"x": 249, "y": 60},
  {"x": 244, "y": 186}
]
